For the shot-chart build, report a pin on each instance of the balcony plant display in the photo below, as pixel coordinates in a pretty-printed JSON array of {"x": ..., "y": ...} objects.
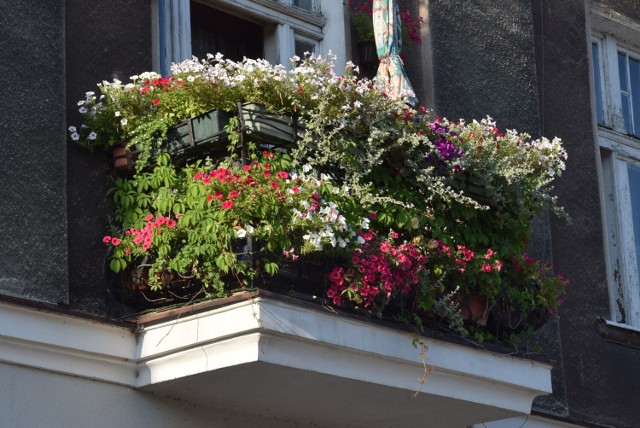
[{"x": 412, "y": 214}]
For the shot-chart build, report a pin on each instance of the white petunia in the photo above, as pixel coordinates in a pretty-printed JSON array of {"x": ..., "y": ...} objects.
[
  {"x": 124, "y": 121},
  {"x": 241, "y": 233},
  {"x": 82, "y": 110},
  {"x": 250, "y": 229},
  {"x": 92, "y": 136},
  {"x": 81, "y": 103},
  {"x": 75, "y": 136},
  {"x": 117, "y": 114},
  {"x": 72, "y": 129}
]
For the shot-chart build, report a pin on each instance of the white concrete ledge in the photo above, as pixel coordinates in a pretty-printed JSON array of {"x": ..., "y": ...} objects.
[{"x": 268, "y": 337}]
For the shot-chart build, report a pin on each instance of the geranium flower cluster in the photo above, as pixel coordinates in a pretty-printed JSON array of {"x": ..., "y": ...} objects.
[{"x": 379, "y": 269}]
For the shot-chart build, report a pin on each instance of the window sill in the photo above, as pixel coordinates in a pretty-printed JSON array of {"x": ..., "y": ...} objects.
[{"x": 621, "y": 334}]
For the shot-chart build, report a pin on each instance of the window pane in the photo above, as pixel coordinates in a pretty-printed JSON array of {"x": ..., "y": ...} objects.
[
  {"x": 598, "y": 83},
  {"x": 624, "y": 92},
  {"x": 304, "y": 4},
  {"x": 634, "y": 189},
  {"x": 634, "y": 81}
]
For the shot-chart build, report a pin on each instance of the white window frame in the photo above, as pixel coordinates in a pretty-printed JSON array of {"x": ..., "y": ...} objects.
[
  {"x": 172, "y": 27},
  {"x": 613, "y": 33}
]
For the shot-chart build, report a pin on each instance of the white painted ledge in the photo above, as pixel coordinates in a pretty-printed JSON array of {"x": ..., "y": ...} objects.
[{"x": 309, "y": 353}]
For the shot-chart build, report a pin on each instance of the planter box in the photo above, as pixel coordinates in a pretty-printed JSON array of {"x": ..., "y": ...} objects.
[
  {"x": 263, "y": 126},
  {"x": 199, "y": 136}
]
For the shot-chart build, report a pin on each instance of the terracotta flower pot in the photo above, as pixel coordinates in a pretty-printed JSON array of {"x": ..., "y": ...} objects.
[{"x": 475, "y": 309}]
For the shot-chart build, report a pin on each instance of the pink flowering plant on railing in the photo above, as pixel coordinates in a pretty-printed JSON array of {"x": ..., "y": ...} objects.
[{"x": 378, "y": 271}]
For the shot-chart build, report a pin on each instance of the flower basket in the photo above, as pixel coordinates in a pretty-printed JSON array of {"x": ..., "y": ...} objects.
[
  {"x": 261, "y": 125},
  {"x": 198, "y": 136},
  {"x": 131, "y": 287}
]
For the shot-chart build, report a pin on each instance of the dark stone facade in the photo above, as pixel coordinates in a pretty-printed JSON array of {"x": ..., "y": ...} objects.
[{"x": 33, "y": 161}]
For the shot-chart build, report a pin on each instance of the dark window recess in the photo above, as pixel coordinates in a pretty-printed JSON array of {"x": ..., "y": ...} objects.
[
  {"x": 214, "y": 31},
  {"x": 302, "y": 47},
  {"x": 303, "y": 4}
]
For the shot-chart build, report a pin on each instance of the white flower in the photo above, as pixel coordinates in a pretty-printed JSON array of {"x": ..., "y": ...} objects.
[
  {"x": 241, "y": 233},
  {"x": 117, "y": 114},
  {"x": 75, "y": 136},
  {"x": 124, "y": 121},
  {"x": 250, "y": 229},
  {"x": 81, "y": 103},
  {"x": 361, "y": 240},
  {"x": 82, "y": 110},
  {"x": 364, "y": 224},
  {"x": 92, "y": 136},
  {"x": 72, "y": 129}
]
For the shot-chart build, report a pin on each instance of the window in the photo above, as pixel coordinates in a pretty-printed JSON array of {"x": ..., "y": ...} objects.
[
  {"x": 274, "y": 30},
  {"x": 616, "y": 77}
]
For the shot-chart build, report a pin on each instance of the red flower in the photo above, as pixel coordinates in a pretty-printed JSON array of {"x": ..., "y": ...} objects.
[
  {"x": 227, "y": 204},
  {"x": 295, "y": 190},
  {"x": 246, "y": 168},
  {"x": 156, "y": 102},
  {"x": 115, "y": 242},
  {"x": 209, "y": 198},
  {"x": 274, "y": 185},
  {"x": 283, "y": 175},
  {"x": 233, "y": 194},
  {"x": 218, "y": 195}
]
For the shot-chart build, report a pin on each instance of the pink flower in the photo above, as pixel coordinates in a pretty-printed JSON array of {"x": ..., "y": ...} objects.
[
  {"x": 209, "y": 198},
  {"x": 227, "y": 204},
  {"x": 283, "y": 175},
  {"x": 149, "y": 217},
  {"x": 115, "y": 242},
  {"x": 156, "y": 102},
  {"x": 106, "y": 239},
  {"x": 274, "y": 185},
  {"x": 218, "y": 195},
  {"x": 233, "y": 194},
  {"x": 295, "y": 190},
  {"x": 487, "y": 268},
  {"x": 246, "y": 168}
]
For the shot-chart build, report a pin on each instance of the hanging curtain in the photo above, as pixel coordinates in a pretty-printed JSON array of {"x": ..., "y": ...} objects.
[{"x": 387, "y": 29}]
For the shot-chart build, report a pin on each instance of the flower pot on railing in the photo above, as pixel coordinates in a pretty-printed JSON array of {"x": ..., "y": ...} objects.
[
  {"x": 198, "y": 136},
  {"x": 264, "y": 126}
]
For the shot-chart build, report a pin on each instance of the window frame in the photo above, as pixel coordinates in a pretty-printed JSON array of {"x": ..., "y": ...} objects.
[
  {"x": 617, "y": 150},
  {"x": 172, "y": 27}
]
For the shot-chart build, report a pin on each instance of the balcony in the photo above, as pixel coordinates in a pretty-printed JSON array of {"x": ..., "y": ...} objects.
[{"x": 278, "y": 357}]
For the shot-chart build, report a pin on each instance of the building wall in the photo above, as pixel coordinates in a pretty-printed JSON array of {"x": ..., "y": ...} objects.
[
  {"x": 601, "y": 377},
  {"x": 37, "y": 398}
]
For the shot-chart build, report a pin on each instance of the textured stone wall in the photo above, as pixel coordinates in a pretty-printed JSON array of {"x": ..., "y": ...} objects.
[{"x": 33, "y": 161}]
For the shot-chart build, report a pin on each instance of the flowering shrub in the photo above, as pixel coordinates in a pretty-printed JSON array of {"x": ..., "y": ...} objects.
[{"x": 458, "y": 196}]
